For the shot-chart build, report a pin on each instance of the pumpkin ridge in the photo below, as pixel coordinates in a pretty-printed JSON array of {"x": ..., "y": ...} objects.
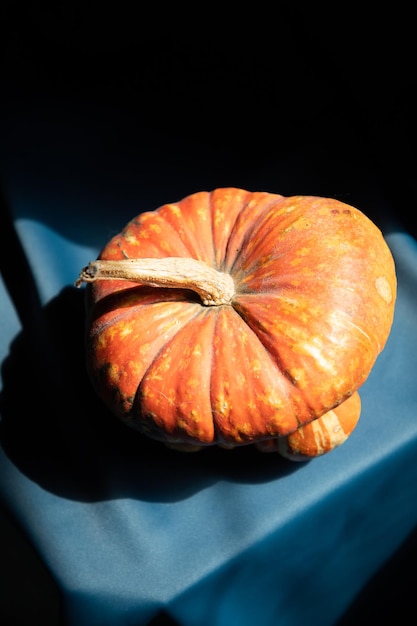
[
  {"x": 271, "y": 407},
  {"x": 122, "y": 371},
  {"x": 299, "y": 374},
  {"x": 106, "y": 306},
  {"x": 248, "y": 235},
  {"x": 164, "y": 346},
  {"x": 133, "y": 230},
  {"x": 189, "y": 215},
  {"x": 154, "y": 424},
  {"x": 186, "y": 244},
  {"x": 220, "y": 264},
  {"x": 216, "y": 265},
  {"x": 276, "y": 357}
]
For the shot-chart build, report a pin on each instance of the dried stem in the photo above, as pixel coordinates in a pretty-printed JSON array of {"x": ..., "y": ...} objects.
[{"x": 213, "y": 287}]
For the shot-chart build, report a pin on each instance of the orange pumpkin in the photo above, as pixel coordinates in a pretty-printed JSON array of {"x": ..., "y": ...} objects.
[{"x": 234, "y": 317}]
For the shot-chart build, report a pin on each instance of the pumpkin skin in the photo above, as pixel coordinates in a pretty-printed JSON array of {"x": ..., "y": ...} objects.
[
  {"x": 315, "y": 291},
  {"x": 320, "y": 436}
]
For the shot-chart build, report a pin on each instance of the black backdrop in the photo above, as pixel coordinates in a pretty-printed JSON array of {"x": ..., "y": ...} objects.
[{"x": 256, "y": 84}]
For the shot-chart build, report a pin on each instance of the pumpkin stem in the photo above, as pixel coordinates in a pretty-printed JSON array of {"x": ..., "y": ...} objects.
[{"x": 213, "y": 287}]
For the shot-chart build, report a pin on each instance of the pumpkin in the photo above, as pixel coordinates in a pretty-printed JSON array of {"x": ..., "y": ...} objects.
[{"x": 234, "y": 317}]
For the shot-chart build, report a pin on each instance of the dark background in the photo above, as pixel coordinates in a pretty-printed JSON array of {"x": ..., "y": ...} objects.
[
  {"x": 300, "y": 81},
  {"x": 326, "y": 85}
]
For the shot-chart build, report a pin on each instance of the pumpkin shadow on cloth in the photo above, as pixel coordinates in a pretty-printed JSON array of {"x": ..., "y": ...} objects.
[{"x": 59, "y": 434}]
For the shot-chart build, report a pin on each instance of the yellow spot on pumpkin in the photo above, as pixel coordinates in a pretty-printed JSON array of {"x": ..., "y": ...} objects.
[
  {"x": 241, "y": 381},
  {"x": 219, "y": 218},
  {"x": 222, "y": 405},
  {"x": 126, "y": 330},
  {"x": 255, "y": 366},
  {"x": 133, "y": 370},
  {"x": 131, "y": 238},
  {"x": 202, "y": 213},
  {"x": 383, "y": 288},
  {"x": 246, "y": 428},
  {"x": 111, "y": 332},
  {"x": 298, "y": 376},
  {"x": 101, "y": 341},
  {"x": 173, "y": 208},
  {"x": 164, "y": 245},
  {"x": 272, "y": 399},
  {"x": 308, "y": 271},
  {"x": 113, "y": 374}
]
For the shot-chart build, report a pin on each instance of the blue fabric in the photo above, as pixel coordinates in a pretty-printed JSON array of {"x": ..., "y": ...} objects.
[{"x": 125, "y": 526}]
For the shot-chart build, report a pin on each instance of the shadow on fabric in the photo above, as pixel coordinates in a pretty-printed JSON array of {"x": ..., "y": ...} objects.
[{"x": 58, "y": 432}]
